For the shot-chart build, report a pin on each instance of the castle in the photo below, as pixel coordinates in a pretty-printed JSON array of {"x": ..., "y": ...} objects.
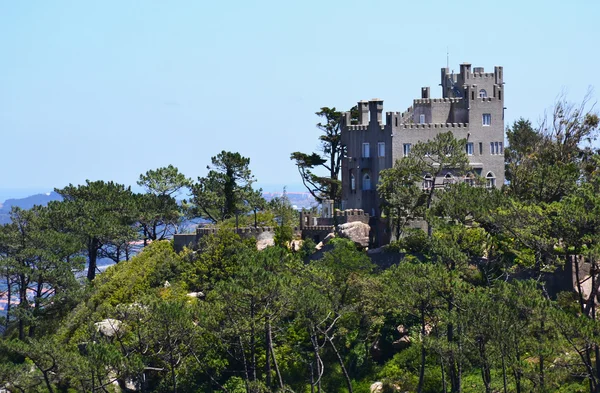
[{"x": 471, "y": 107}]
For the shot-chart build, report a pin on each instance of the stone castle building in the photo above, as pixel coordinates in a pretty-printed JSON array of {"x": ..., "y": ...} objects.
[{"x": 471, "y": 106}]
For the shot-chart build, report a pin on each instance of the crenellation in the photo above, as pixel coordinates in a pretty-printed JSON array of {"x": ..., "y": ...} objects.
[
  {"x": 445, "y": 100},
  {"x": 433, "y": 125},
  {"x": 482, "y": 75}
]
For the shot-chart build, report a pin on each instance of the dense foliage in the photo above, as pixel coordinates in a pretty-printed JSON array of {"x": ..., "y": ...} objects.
[{"x": 474, "y": 305}]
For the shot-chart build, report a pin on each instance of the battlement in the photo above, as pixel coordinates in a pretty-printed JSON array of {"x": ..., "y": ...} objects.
[
  {"x": 245, "y": 231},
  {"x": 433, "y": 125},
  {"x": 320, "y": 228},
  {"x": 363, "y": 127},
  {"x": 351, "y": 212},
  {"x": 482, "y": 75},
  {"x": 436, "y": 101}
]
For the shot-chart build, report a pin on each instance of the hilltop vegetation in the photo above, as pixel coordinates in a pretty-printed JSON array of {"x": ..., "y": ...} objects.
[{"x": 468, "y": 308}]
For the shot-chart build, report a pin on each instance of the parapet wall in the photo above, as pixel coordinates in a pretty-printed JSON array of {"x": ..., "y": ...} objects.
[
  {"x": 245, "y": 232},
  {"x": 324, "y": 226},
  {"x": 447, "y": 100},
  {"x": 363, "y": 127},
  {"x": 351, "y": 215},
  {"x": 191, "y": 239},
  {"x": 434, "y": 125}
]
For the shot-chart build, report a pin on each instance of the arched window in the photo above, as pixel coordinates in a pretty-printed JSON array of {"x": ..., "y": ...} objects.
[
  {"x": 482, "y": 93},
  {"x": 366, "y": 182},
  {"x": 448, "y": 179},
  {"x": 352, "y": 182},
  {"x": 490, "y": 180},
  {"x": 470, "y": 179},
  {"x": 427, "y": 182}
]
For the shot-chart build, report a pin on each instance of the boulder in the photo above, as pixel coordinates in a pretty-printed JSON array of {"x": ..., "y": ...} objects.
[
  {"x": 264, "y": 240},
  {"x": 195, "y": 295},
  {"x": 356, "y": 231},
  {"x": 377, "y": 387},
  {"x": 296, "y": 245},
  {"x": 108, "y": 327}
]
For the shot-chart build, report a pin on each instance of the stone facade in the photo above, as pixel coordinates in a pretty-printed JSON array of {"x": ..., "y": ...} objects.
[{"x": 471, "y": 107}]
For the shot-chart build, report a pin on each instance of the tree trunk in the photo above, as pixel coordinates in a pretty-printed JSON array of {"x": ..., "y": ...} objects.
[
  {"x": 47, "y": 381},
  {"x": 312, "y": 379},
  {"x": 252, "y": 344},
  {"x": 271, "y": 349},
  {"x": 267, "y": 353},
  {"x": 8, "y": 300},
  {"x": 22, "y": 304},
  {"x": 313, "y": 339},
  {"x": 245, "y": 363},
  {"x": 341, "y": 361},
  {"x": 93, "y": 246},
  {"x": 444, "y": 389},
  {"x": 452, "y": 370},
  {"x": 517, "y": 371},
  {"x": 485, "y": 367},
  {"x": 38, "y": 296}
]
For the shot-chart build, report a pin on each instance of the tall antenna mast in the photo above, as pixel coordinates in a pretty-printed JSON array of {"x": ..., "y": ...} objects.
[{"x": 447, "y": 58}]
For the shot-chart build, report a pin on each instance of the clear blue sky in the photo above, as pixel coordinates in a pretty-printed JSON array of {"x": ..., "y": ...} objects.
[{"x": 109, "y": 89}]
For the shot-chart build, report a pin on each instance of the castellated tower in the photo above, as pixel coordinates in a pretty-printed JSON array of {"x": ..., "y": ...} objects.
[{"x": 471, "y": 106}]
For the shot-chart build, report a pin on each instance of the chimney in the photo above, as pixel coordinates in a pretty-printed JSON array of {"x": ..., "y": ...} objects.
[
  {"x": 424, "y": 92},
  {"x": 465, "y": 70},
  {"x": 376, "y": 109},
  {"x": 363, "y": 112}
]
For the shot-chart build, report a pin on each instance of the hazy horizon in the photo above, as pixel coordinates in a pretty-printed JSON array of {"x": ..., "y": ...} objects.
[{"x": 108, "y": 90}]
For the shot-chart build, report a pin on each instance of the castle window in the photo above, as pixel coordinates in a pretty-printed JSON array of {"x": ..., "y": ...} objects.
[
  {"x": 406, "y": 149},
  {"x": 421, "y": 119},
  {"x": 381, "y": 149},
  {"x": 496, "y": 148},
  {"x": 499, "y": 94},
  {"x": 448, "y": 179},
  {"x": 482, "y": 93},
  {"x": 352, "y": 182},
  {"x": 427, "y": 182},
  {"x": 470, "y": 179},
  {"x": 486, "y": 119},
  {"x": 469, "y": 148},
  {"x": 365, "y": 150},
  {"x": 366, "y": 182},
  {"x": 490, "y": 180},
  {"x": 480, "y": 148}
]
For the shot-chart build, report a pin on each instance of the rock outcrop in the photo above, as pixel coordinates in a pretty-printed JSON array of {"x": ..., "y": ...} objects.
[
  {"x": 108, "y": 327},
  {"x": 356, "y": 231},
  {"x": 264, "y": 240}
]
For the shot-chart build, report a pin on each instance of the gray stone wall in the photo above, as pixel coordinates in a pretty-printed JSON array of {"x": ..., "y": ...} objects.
[
  {"x": 459, "y": 110},
  {"x": 356, "y": 165}
]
